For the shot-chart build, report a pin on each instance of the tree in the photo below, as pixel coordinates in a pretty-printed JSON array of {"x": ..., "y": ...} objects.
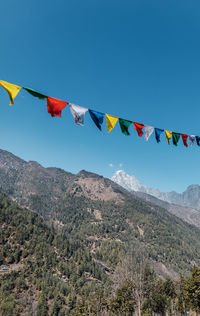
[
  {"x": 8, "y": 307},
  {"x": 135, "y": 267},
  {"x": 124, "y": 302},
  {"x": 180, "y": 302},
  {"x": 156, "y": 302},
  {"x": 192, "y": 290},
  {"x": 42, "y": 308}
]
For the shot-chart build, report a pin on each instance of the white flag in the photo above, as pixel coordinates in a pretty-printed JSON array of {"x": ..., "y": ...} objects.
[
  {"x": 192, "y": 139},
  {"x": 78, "y": 113},
  {"x": 148, "y": 130}
]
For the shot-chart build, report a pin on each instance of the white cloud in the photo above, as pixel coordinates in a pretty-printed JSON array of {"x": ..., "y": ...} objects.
[{"x": 111, "y": 165}]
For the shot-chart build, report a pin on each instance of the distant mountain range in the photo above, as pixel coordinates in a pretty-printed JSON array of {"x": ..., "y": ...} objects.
[{"x": 189, "y": 198}]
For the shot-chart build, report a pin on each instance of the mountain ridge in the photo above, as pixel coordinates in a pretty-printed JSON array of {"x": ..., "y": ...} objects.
[
  {"x": 189, "y": 198},
  {"x": 24, "y": 181}
]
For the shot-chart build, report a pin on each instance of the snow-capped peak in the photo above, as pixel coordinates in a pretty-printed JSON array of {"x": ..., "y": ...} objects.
[{"x": 130, "y": 183}]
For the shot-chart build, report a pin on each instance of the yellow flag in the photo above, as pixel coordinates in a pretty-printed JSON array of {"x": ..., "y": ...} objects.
[
  {"x": 111, "y": 121},
  {"x": 168, "y": 135},
  {"x": 12, "y": 89}
]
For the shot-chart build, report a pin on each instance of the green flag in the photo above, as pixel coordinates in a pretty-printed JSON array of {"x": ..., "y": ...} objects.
[
  {"x": 36, "y": 94},
  {"x": 175, "y": 138},
  {"x": 124, "y": 124}
]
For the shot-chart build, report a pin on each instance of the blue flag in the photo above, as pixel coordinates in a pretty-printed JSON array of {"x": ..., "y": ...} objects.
[
  {"x": 198, "y": 140},
  {"x": 158, "y": 132},
  {"x": 97, "y": 117}
]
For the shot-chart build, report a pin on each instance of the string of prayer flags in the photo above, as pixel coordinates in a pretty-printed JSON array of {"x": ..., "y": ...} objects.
[
  {"x": 111, "y": 122},
  {"x": 12, "y": 90},
  {"x": 148, "y": 130},
  {"x": 198, "y": 140},
  {"x": 124, "y": 125},
  {"x": 138, "y": 128},
  {"x": 55, "y": 106},
  {"x": 97, "y": 117},
  {"x": 175, "y": 138},
  {"x": 168, "y": 135},
  {"x": 191, "y": 139},
  {"x": 184, "y": 138},
  {"x": 78, "y": 113},
  {"x": 35, "y": 93},
  {"x": 158, "y": 132}
]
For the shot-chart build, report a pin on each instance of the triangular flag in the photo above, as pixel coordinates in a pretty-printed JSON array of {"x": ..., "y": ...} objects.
[
  {"x": 124, "y": 124},
  {"x": 184, "y": 138},
  {"x": 158, "y": 132},
  {"x": 35, "y": 93},
  {"x": 148, "y": 130},
  {"x": 168, "y": 135},
  {"x": 175, "y": 138},
  {"x": 198, "y": 140},
  {"x": 191, "y": 139},
  {"x": 138, "y": 128},
  {"x": 55, "y": 106},
  {"x": 97, "y": 117},
  {"x": 12, "y": 90},
  {"x": 111, "y": 122},
  {"x": 78, "y": 113}
]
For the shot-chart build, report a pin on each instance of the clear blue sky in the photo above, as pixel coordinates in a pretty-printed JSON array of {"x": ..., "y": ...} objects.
[{"x": 139, "y": 60}]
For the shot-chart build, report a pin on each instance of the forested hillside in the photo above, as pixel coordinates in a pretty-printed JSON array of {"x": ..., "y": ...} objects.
[
  {"x": 46, "y": 271},
  {"x": 105, "y": 226},
  {"x": 51, "y": 274}
]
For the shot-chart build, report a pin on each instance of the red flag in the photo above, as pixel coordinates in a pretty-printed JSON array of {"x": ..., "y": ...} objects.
[
  {"x": 138, "y": 128},
  {"x": 184, "y": 138},
  {"x": 55, "y": 106}
]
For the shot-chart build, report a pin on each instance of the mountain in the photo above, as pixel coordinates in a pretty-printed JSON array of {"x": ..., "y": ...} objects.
[
  {"x": 42, "y": 189},
  {"x": 188, "y": 214},
  {"x": 185, "y": 205},
  {"x": 99, "y": 215},
  {"x": 43, "y": 272},
  {"x": 189, "y": 198}
]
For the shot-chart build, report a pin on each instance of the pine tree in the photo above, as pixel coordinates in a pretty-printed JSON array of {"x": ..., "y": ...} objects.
[{"x": 192, "y": 290}]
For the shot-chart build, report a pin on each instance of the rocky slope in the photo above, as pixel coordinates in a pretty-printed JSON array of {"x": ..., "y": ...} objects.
[
  {"x": 41, "y": 189},
  {"x": 188, "y": 214}
]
